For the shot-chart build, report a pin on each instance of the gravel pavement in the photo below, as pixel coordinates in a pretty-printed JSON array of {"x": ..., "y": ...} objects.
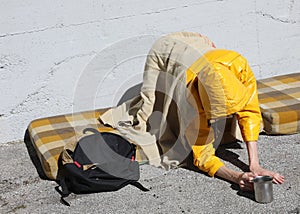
[{"x": 174, "y": 191}]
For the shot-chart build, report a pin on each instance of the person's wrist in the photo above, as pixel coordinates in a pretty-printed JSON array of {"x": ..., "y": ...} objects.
[
  {"x": 239, "y": 176},
  {"x": 254, "y": 167}
]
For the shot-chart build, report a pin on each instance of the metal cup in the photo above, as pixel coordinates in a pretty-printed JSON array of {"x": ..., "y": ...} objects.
[{"x": 263, "y": 189}]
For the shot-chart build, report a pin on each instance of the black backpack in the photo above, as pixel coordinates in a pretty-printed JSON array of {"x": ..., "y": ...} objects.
[{"x": 100, "y": 162}]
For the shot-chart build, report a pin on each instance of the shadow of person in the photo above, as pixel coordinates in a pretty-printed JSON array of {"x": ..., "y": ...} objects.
[{"x": 233, "y": 158}]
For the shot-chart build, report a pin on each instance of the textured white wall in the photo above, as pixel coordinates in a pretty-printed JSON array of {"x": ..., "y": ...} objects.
[{"x": 46, "y": 45}]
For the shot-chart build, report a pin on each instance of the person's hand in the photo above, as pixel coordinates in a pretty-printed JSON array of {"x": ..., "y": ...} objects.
[
  {"x": 245, "y": 181},
  {"x": 277, "y": 178}
]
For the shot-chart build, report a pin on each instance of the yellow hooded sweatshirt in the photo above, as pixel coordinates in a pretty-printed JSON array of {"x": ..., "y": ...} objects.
[{"x": 222, "y": 83}]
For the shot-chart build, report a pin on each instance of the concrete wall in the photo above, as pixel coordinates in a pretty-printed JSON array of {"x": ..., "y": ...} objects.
[{"x": 48, "y": 48}]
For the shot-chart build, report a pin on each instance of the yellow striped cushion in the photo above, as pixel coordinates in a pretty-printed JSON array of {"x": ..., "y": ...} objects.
[
  {"x": 279, "y": 99},
  {"x": 50, "y": 135}
]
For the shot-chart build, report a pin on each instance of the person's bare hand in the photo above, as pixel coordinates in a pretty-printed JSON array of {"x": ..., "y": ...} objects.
[
  {"x": 277, "y": 178},
  {"x": 245, "y": 181}
]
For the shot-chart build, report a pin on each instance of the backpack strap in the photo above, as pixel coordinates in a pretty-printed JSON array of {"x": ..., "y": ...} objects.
[
  {"x": 139, "y": 185},
  {"x": 64, "y": 192}
]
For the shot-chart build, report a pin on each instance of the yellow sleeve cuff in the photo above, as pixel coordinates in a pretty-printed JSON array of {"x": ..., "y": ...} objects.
[{"x": 205, "y": 159}]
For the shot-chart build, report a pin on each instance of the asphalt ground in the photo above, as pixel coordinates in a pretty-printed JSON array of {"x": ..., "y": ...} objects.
[{"x": 174, "y": 191}]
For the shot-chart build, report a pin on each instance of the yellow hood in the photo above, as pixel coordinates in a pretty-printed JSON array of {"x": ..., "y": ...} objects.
[
  {"x": 226, "y": 85},
  {"x": 216, "y": 72}
]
